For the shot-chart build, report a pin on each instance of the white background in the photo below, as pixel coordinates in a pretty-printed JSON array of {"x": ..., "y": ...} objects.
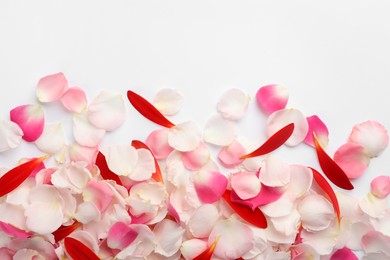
[{"x": 334, "y": 56}]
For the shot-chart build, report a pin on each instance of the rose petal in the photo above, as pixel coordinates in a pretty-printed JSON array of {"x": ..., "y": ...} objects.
[
  {"x": 84, "y": 132},
  {"x": 184, "y": 137},
  {"x": 233, "y": 104},
  {"x": 281, "y": 118},
  {"x": 278, "y": 208},
  {"x": 352, "y": 159},
  {"x": 13, "y": 215},
  {"x": 209, "y": 185},
  {"x": 30, "y": 119},
  {"x": 319, "y": 128},
  {"x": 99, "y": 193},
  {"x": 316, "y": 213},
  {"x": 74, "y": 99},
  {"x": 245, "y": 184},
  {"x": 120, "y": 236},
  {"x": 343, "y": 254},
  {"x": 52, "y": 139},
  {"x": 229, "y": 156},
  {"x": 145, "y": 166},
  {"x": 272, "y": 98},
  {"x": 168, "y": 101},
  {"x": 51, "y": 87},
  {"x": 219, "y": 131},
  {"x": 380, "y": 186},
  {"x": 122, "y": 159},
  {"x": 275, "y": 173},
  {"x": 10, "y": 135},
  {"x": 142, "y": 246},
  {"x": 107, "y": 111},
  {"x": 373, "y": 206},
  {"x": 265, "y": 196},
  {"x": 376, "y": 242},
  {"x": 82, "y": 153},
  {"x": 197, "y": 158},
  {"x": 300, "y": 181},
  {"x": 87, "y": 212},
  {"x": 168, "y": 236},
  {"x": 157, "y": 141},
  {"x": 191, "y": 248},
  {"x": 203, "y": 220}
]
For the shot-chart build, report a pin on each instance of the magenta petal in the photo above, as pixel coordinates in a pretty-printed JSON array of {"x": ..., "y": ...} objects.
[
  {"x": 51, "y": 87},
  {"x": 272, "y": 98},
  {"x": 344, "y": 254},
  {"x": 120, "y": 236},
  {"x": 13, "y": 231},
  {"x": 210, "y": 185},
  {"x": 30, "y": 119},
  {"x": 319, "y": 128}
]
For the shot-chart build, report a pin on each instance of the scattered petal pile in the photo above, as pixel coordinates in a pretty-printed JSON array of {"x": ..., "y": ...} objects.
[{"x": 170, "y": 196}]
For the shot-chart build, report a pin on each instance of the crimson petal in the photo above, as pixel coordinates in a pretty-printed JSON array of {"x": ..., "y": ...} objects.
[
  {"x": 64, "y": 231},
  {"x": 105, "y": 172},
  {"x": 78, "y": 250},
  {"x": 208, "y": 253}
]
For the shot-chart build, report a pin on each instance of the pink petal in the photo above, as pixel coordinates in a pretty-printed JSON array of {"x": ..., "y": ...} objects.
[
  {"x": 281, "y": 118},
  {"x": 168, "y": 101},
  {"x": 82, "y": 153},
  {"x": 10, "y": 135},
  {"x": 14, "y": 231},
  {"x": 245, "y": 184},
  {"x": 209, "y": 185},
  {"x": 30, "y": 119},
  {"x": 352, "y": 159},
  {"x": 319, "y": 128},
  {"x": 120, "y": 236},
  {"x": 99, "y": 193},
  {"x": 107, "y": 111},
  {"x": 343, "y": 254},
  {"x": 300, "y": 182},
  {"x": 142, "y": 246},
  {"x": 169, "y": 236},
  {"x": 281, "y": 207},
  {"x": 25, "y": 253},
  {"x": 275, "y": 173},
  {"x": 229, "y": 156},
  {"x": 380, "y": 186},
  {"x": 74, "y": 99},
  {"x": 197, "y": 158},
  {"x": 87, "y": 212},
  {"x": 372, "y": 136},
  {"x": 373, "y": 206},
  {"x": 52, "y": 139},
  {"x": 184, "y": 137},
  {"x": 265, "y": 196},
  {"x": 84, "y": 132},
  {"x": 191, "y": 248},
  {"x": 13, "y": 215},
  {"x": 272, "y": 98},
  {"x": 51, "y": 87},
  {"x": 316, "y": 213},
  {"x": 122, "y": 159},
  {"x": 145, "y": 166},
  {"x": 157, "y": 141},
  {"x": 203, "y": 220},
  {"x": 233, "y": 104},
  {"x": 376, "y": 242},
  {"x": 219, "y": 131}
]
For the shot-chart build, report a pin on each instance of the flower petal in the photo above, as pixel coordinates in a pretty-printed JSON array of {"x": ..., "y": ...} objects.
[
  {"x": 82, "y": 153},
  {"x": 376, "y": 242},
  {"x": 122, "y": 159},
  {"x": 191, "y": 248},
  {"x": 30, "y": 119},
  {"x": 219, "y": 131},
  {"x": 64, "y": 231},
  {"x": 316, "y": 213},
  {"x": 84, "y": 132},
  {"x": 380, "y": 186},
  {"x": 9, "y": 229},
  {"x": 203, "y": 220},
  {"x": 168, "y": 236},
  {"x": 245, "y": 184},
  {"x": 229, "y": 156},
  {"x": 105, "y": 172},
  {"x": 10, "y": 135},
  {"x": 78, "y": 250},
  {"x": 275, "y": 173},
  {"x": 197, "y": 158},
  {"x": 281, "y": 118},
  {"x": 51, "y": 87},
  {"x": 99, "y": 193},
  {"x": 317, "y": 126},
  {"x": 52, "y": 139},
  {"x": 352, "y": 159},
  {"x": 373, "y": 206},
  {"x": 233, "y": 104},
  {"x": 120, "y": 236},
  {"x": 156, "y": 175},
  {"x": 272, "y": 98},
  {"x": 184, "y": 137},
  {"x": 265, "y": 196},
  {"x": 142, "y": 246},
  {"x": 343, "y": 254},
  {"x": 74, "y": 99},
  {"x": 168, "y": 101},
  {"x": 157, "y": 141},
  {"x": 209, "y": 185},
  {"x": 145, "y": 166},
  {"x": 301, "y": 179},
  {"x": 107, "y": 111}
]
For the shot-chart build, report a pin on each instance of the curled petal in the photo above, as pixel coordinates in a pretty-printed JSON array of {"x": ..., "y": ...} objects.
[
  {"x": 245, "y": 184},
  {"x": 317, "y": 126},
  {"x": 51, "y": 87},
  {"x": 316, "y": 213},
  {"x": 229, "y": 156},
  {"x": 352, "y": 159},
  {"x": 122, "y": 159},
  {"x": 169, "y": 235},
  {"x": 84, "y": 132},
  {"x": 272, "y": 98},
  {"x": 157, "y": 141},
  {"x": 30, "y": 119},
  {"x": 209, "y": 185},
  {"x": 372, "y": 136},
  {"x": 208, "y": 253},
  {"x": 107, "y": 111},
  {"x": 300, "y": 181},
  {"x": 219, "y": 131},
  {"x": 380, "y": 186},
  {"x": 168, "y": 101},
  {"x": 87, "y": 212},
  {"x": 281, "y": 118},
  {"x": 10, "y": 135},
  {"x": 184, "y": 137},
  {"x": 52, "y": 139},
  {"x": 197, "y": 158},
  {"x": 120, "y": 236},
  {"x": 275, "y": 173},
  {"x": 233, "y": 104},
  {"x": 376, "y": 242},
  {"x": 203, "y": 220},
  {"x": 74, "y": 99},
  {"x": 142, "y": 246}
]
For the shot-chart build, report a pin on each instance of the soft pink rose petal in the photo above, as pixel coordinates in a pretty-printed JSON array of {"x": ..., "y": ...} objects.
[
  {"x": 99, "y": 193},
  {"x": 380, "y": 186},
  {"x": 197, "y": 158},
  {"x": 352, "y": 159},
  {"x": 74, "y": 99},
  {"x": 316, "y": 213},
  {"x": 280, "y": 207},
  {"x": 343, "y": 254},
  {"x": 82, "y": 153},
  {"x": 10, "y": 135},
  {"x": 265, "y": 196},
  {"x": 107, "y": 111},
  {"x": 87, "y": 212},
  {"x": 157, "y": 141},
  {"x": 229, "y": 156},
  {"x": 120, "y": 236},
  {"x": 145, "y": 166},
  {"x": 209, "y": 185},
  {"x": 376, "y": 242},
  {"x": 275, "y": 172},
  {"x": 84, "y": 132},
  {"x": 51, "y": 87},
  {"x": 14, "y": 231},
  {"x": 184, "y": 137},
  {"x": 122, "y": 159},
  {"x": 191, "y": 248},
  {"x": 373, "y": 206},
  {"x": 300, "y": 181},
  {"x": 319, "y": 128},
  {"x": 219, "y": 131},
  {"x": 52, "y": 139},
  {"x": 233, "y": 104},
  {"x": 203, "y": 220},
  {"x": 281, "y": 118},
  {"x": 30, "y": 119},
  {"x": 272, "y": 98},
  {"x": 372, "y": 136},
  {"x": 13, "y": 214},
  {"x": 287, "y": 226},
  {"x": 142, "y": 246},
  {"x": 169, "y": 236},
  {"x": 168, "y": 101},
  {"x": 245, "y": 184}
]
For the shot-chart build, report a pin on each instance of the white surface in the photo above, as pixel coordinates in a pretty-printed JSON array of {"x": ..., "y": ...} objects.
[{"x": 333, "y": 56}]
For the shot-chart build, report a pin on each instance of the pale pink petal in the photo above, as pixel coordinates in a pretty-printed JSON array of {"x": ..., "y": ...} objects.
[
  {"x": 322, "y": 241},
  {"x": 245, "y": 184},
  {"x": 145, "y": 166},
  {"x": 191, "y": 248},
  {"x": 382, "y": 224},
  {"x": 13, "y": 214},
  {"x": 25, "y": 253},
  {"x": 353, "y": 234},
  {"x": 303, "y": 252},
  {"x": 281, "y": 118},
  {"x": 74, "y": 176},
  {"x": 157, "y": 141},
  {"x": 52, "y": 139},
  {"x": 142, "y": 246},
  {"x": 197, "y": 158},
  {"x": 233, "y": 104},
  {"x": 45, "y": 248},
  {"x": 352, "y": 159},
  {"x": 219, "y": 131},
  {"x": 209, "y": 185},
  {"x": 51, "y": 87},
  {"x": 300, "y": 181},
  {"x": 168, "y": 101},
  {"x": 265, "y": 196},
  {"x": 120, "y": 236},
  {"x": 376, "y": 242},
  {"x": 235, "y": 239},
  {"x": 10, "y": 135},
  {"x": 122, "y": 159},
  {"x": 20, "y": 195},
  {"x": 272, "y": 98},
  {"x": 84, "y": 132},
  {"x": 74, "y": 99},
  {"x": 87, "y": 239},
  {"x": 260, "y": 245},
  {"x": 82, "y": 153},
  {"x": 203, "y": 220},
  {"x": 229, "y": 156},
  {"x": 30, "y": 119},
  {"x": 372, "y": 136},
  {"x": 275, "y": 173},
  {"x": 287, "y": 225},
  {"x": 168, "y": 236},
  {"x": 107, "y": 111},
  {"x": 99, "y": 193},
  {"x": 87, "y": 212},
  {"x": 319, "y": 128},
  {"x": 279, "y": 208},
  {"x": 380, "y": 186},
  {"x": 374, "y": 206},
  {"x": 316, "y": 213},
  {"x": 343, "y": 254},
  {"x": 184, "y": 137}
]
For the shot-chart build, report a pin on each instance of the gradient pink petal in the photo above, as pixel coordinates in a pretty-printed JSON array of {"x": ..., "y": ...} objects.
[
  {"x": 352, "y": 159},
  {"x": 10, "y": 135},
  {"x": 99, "y": 193},
  {"x": 229, "y": 156},
  {"x": 272, "y": 98},
  {"x": 120, "y": 236},
  {"x": 219, "y": 131},
  {"x": 30, "y": 119},
  {"x": 209, "y": 185},
  {"x": 74, "y": 99},
  {"x": 203, "y": 220},
  {"x": 376, "y": 242},
  {"x": 343, "y": 254},
  {"x": 233, "y": 104},
  {"x": 374, "y": 206},
  {"x": 300, "y": 181},
  {"x": 197, "y": 158},
  {"x": 380, "y": 186},
  {"x": 14, "y": 231},
  {"x": 51, "y": 87},
  {"x": 157, "y": 141},
  {"x": 245, "y": 184},
  {"x": 184, "y": 137},
  {"x": 142, "y": 246},
  {"x": 168, "y": 101},
  {"x": 319, "y": 128}
]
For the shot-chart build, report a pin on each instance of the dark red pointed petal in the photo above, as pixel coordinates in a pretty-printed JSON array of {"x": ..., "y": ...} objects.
[
  {"x": 274, "y": 142},
  {"x": 325, "y": 186},
  {"x": 64, "y": 231},
  {"x": 78, "y": 250},
  {"x": 334, "y": 173},
  {"x": 208, "y": 253},
  {"x": 254, "y": 217},
  {"x": 16, "y": 176},
  {"x": 105, "y": 172},
  {"x": 156, "y": 175},
  {"x": 148, "y": 110}
]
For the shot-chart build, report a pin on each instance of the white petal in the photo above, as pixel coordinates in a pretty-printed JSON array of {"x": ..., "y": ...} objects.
[
  {"x": 316, "y": 213},
  {"x": 87, "y": 212},
  {"x": 191, "y": 248},
  {"x": 300, "y": 181},
  {"x": 287, "y": 225},
  {"x": 233, "y": 104},
  {"x": 122, "y": 159},
  {"x": 219, "y": 131},
  {"x": 322, "y": 241},
  {"x": 52, "y": 139},
  {"x": 10, "y": 135},
  {"x": 84, "y": 132},
  {"x": 13, "y": 214},
  {"x": 374, "y": 206},
  {"x": 168, "y": 236},
  {"x": 168, "y": 101},
  {"x": 184, "y": 137},
  {"x": 145, "y": 166},
  {"x": 274, "y": 173},
  {"x": 203, "y": 220}
]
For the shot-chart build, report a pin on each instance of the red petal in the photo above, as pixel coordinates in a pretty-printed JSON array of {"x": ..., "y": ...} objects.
[
  {"x": 334, "y": 173},
  {"x": 64, "y": 231},
  {"x": 156, "y": 175},
  {"x": 325, "y": 186},
  {"x": 16, "y": 176},
  {"x": 208, "y": 253},
  {"x": 78, "y": 250},
  {"x": 274, "y": 142},
  {"x": 105, "y": 172},
  {"x": 254, "y": 217},
  {"x": 148, "y": 110}
]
